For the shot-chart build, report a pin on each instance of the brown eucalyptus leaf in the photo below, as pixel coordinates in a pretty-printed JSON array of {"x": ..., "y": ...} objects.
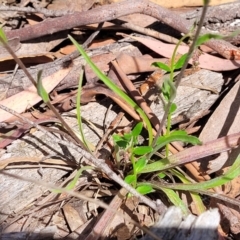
[
  {"x": 29, "y": 97},
  {"x": 205, "y": 60},
  {"x": 224, "y": 120}
]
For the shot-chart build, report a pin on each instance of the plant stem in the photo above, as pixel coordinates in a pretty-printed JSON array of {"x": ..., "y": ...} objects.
[{"x": 179, "y": 78}]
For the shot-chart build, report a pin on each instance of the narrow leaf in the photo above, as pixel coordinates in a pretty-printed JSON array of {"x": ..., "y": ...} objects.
[
  {"x": 115, "y": 88},
  {"x": 206, "y": 37},
  {"x": 161, "y": 175},
  {"x": 232, "y": 173},
  {"x": 79, "y": 116},
  {"x": 162, "y": 66},
  {"x": 3, "y": 36},
  {"x": 180, "y": 61},
  {"x": 137, "y": 129},
  {"x": 144, "y": 189},
  {"x": 173, "y": 137},
  {"x": 40, "y": 89},
  {"x": 142, "y": 150},
  {"x": 176, "y": 200},
  {"x": 166, "y": 89},
  {"x": 130, "y": 179},
  {"x": 140, "y": 164}
]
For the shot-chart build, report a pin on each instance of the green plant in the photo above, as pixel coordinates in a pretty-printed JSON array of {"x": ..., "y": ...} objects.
[
  {"x": 116, "y": 89},
  {"x": 168, "y": 88},
  {"x": 141, "y": 157},
  {"x": 127, "y": 145}
]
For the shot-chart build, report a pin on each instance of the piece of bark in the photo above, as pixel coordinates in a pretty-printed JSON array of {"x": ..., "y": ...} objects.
[
  {"x": 18, "y": 194},
  {"x": 173, "y": 226},
  {"x": 222, "y": 19}
]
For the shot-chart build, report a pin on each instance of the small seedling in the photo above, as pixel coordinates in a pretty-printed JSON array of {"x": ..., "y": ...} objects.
[{"x": 128, "y": 144}]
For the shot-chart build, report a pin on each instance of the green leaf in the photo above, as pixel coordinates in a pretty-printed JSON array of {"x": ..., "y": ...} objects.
[
  {"x": 130, "y": 179},
  {"x": 233, "y": 172},
  {"x": 137, "y": 129},
  {"x": 155, "y": 166},
  {"x": 178, "y": 135},
  {"x": 166, "y": 89},
  {"x": 142, "y": 150},
  {"x": 162, "y": 66},
  {"x": 174, "y": 136},
  {"x": 180, "y": 61},
  {"x": 79, "y": 115},
  {"x": 176, "y": 200},
  {"x": 140, "y": 164},
  {"x": 173, "y": 108},
  {"x": 40, "y": 89},
  {"x": 3, "y": 36},
  {"x": 127, "y": 137},
  {"x": 162, "y": 175},
  {"x": 117, "y": 138},
  {"x": 206, "y": 37},
  {"x": 122, "y": 141},
  {"x": 73, "y": 182},
  {"x": 195, "y": 197},
  {"x": 173, "y": 90},
  {"x": 144, "y": 189},
  {"x": 122, "y": 144},
  {"x": 172, "y": 196}
]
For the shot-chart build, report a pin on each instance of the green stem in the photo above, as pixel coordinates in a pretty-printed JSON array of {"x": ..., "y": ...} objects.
[{"x": 134, "y": 170}]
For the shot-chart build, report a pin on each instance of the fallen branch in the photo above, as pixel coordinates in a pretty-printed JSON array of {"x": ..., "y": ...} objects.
[{"x": 113, "y": 11}]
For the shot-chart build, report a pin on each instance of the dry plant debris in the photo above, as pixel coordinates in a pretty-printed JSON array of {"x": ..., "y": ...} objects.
[{"x": 39, "y": 159}]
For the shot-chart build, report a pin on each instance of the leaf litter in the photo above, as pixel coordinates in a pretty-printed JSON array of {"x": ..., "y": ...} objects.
[{"x": 54, "y": 164}]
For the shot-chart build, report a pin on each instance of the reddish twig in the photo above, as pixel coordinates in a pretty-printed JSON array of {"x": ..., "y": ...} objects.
[{"x": 198, "y": 152}]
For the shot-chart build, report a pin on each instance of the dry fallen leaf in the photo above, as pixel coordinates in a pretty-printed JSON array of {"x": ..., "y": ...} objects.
[
  {"x": 224, "y": 120},
  {"x": 72, "y": 216},
  {"x": 29, "y": 97},
  {"x": 205, "y": 60}
]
